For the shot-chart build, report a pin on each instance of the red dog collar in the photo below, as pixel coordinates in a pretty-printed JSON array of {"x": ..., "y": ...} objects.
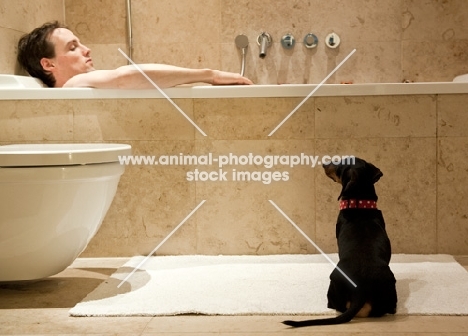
[{"x": 357, "y": 204}]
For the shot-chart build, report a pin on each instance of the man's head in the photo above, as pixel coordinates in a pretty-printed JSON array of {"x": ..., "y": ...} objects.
[{"x": 53, "y": 54}]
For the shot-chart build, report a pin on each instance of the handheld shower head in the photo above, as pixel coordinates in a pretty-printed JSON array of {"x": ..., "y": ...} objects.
[{"x": 242, "y": 42}]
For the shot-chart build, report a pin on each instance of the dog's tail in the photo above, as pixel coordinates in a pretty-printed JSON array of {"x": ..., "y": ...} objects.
[{"x": 357, "y": 302}]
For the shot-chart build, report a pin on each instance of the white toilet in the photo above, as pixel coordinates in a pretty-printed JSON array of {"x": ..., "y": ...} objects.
[{"x": 53, "y": 199}]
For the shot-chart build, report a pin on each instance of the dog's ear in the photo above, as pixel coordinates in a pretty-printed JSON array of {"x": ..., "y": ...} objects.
[
  {"x": 373, "y": 172},
  {"x": 348, "y": 177},
  {"x": 331, "y": 172}
]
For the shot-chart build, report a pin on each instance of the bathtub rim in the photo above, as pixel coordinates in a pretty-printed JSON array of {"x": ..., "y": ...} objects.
[{"x": 239, "y": 91}]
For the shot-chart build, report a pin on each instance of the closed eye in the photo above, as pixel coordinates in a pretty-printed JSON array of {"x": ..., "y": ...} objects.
[{"x": 72, "y": 45}]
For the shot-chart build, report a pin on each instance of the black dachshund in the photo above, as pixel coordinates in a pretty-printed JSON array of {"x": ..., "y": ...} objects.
[{"x": 362, "y": 284}]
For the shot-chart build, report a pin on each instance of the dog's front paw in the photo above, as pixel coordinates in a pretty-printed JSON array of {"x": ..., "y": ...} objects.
[{"x": 290, "y": 323}]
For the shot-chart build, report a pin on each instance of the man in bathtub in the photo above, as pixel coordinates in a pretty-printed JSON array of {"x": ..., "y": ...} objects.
[{"x": 55, "y": 55}]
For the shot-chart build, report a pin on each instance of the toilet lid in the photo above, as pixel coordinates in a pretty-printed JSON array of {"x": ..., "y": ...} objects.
[{"x": 30, "y": 155}]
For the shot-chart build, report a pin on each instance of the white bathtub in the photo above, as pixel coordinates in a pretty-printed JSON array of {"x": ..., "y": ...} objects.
[{"x": 25, "y": 88}]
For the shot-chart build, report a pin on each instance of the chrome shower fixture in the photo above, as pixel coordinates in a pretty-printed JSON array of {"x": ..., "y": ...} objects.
[
  {"x": 129, "y": 29},
  {"x": 288, "y": 41},
  {"x": 310, "y": 41},
  {"x": 242, "y": 42},
  {"x": 332, "y": 40},
  {"x": 264, "y": 41}
]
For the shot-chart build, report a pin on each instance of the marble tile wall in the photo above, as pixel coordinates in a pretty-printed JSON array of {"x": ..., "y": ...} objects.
[
  {"x": 19, "y": 17},
  {"x": 398, "y": 135},
  {"x": 417, "y": 141},
  {"x": 152, "y": 200},
  {"x": 452, "y": 145},
  {"x": 396, "y": 40}
]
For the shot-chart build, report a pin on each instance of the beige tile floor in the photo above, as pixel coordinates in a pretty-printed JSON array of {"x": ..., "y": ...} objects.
[{"x": 41, "y": 308}]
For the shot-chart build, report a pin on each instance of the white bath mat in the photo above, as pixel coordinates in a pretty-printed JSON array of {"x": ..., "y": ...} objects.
[{"x": 265, "y": 285}]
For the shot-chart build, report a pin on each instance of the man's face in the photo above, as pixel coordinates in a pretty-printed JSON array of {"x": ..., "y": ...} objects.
[{"x": 71, "y": 57}]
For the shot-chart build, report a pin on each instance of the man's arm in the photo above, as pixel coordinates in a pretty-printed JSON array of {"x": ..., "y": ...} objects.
[{"x": 128, "y": 77}]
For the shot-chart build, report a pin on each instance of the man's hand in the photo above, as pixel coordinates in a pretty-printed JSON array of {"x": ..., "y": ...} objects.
[{"x": 227, "y": 78}]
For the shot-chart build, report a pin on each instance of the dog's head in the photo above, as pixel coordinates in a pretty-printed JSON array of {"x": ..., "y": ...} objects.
[{"x": 356, "y": 176}]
